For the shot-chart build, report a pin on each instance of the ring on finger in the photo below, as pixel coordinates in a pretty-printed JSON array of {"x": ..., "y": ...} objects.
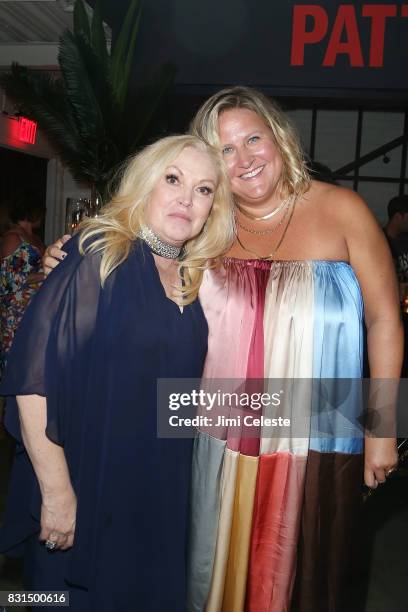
[{"x": 50, "y": 545}]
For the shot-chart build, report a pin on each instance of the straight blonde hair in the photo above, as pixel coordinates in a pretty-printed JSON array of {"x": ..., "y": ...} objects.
[
  {"x": 116, "y": 230},
  {"x": 295, "y": 179}
]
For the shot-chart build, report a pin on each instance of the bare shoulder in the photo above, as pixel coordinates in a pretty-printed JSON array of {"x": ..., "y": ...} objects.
[
  {"x": 11, "y": 240},
  {"x": 341, "y": 205}
]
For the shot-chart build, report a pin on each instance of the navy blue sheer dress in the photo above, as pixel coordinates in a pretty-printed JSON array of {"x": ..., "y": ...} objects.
[{"x": 95, "y": 354}]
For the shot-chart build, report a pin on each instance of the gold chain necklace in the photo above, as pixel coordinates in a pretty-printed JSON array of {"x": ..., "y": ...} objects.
[
  {"x": 268, "y": 231},
  {"x": 279, "y": 243},
  {"x": 264, "y": 217}
]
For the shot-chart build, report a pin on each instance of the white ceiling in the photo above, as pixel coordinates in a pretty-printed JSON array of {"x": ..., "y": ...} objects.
[
  {"x": 30, "y": 30},
  {"x": 38, "y": 21}
]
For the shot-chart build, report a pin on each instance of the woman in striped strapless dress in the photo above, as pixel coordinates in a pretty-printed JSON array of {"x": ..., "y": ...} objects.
[{"x": 275, "y": 518}]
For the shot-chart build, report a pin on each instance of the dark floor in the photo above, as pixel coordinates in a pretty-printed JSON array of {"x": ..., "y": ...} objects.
[{"x": 387, "y": 543}]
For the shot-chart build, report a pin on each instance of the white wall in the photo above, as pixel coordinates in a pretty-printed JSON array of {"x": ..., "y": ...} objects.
[{"x": 38, "y": 54}]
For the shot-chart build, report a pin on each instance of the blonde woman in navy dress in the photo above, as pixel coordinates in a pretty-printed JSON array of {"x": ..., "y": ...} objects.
[{"x": 98, "y": 504}]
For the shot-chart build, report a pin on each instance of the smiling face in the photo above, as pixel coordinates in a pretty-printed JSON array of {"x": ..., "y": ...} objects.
[
  {"x": 252, "y": 158},
  {"x": 181, "y": 201}
]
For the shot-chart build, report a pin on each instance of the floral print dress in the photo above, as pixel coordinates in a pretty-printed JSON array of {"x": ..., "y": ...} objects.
[{"x": 15, "y": 291}]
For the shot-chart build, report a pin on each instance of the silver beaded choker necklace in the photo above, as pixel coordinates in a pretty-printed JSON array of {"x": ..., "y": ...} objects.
[{"x": 164, "y": 249}]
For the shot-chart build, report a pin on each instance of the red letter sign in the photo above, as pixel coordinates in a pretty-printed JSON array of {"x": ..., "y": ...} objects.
[
  {"x": 300, "y": 37},
  {"x": 378, "y": 14},
  {"x": 345, "y": 20}
]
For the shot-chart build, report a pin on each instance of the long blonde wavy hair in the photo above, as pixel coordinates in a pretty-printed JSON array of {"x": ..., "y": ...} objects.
[
  {"x": 115, "y": 231},
  {"x": 295, "y": 179}
]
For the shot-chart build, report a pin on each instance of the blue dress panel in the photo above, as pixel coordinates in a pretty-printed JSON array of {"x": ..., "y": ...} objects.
[{"x": 96, "y": 354}]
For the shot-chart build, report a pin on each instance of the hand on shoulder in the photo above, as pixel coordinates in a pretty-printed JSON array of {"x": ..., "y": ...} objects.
[{"x": 54, "y": 254}]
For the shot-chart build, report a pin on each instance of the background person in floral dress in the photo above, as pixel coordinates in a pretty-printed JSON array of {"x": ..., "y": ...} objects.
[{"x": 20, "y": 268}]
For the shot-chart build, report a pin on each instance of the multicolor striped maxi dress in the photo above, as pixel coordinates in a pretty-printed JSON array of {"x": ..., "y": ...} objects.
[{"x": 274, "y": 518}]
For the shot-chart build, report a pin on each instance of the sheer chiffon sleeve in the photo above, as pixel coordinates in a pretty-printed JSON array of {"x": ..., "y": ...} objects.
[{"x": 52, "y": 342}]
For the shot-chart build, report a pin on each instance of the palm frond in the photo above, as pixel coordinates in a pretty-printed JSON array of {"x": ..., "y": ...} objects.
[
  {"x": 85, "y": 105},
  {"x": 123, "y": 52},
  {"x": 98, "y": 38},
  {"x": 81, "y": 21},
  {"x": 91, "y": 97},
  {"x": 98, "y": 76}
]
